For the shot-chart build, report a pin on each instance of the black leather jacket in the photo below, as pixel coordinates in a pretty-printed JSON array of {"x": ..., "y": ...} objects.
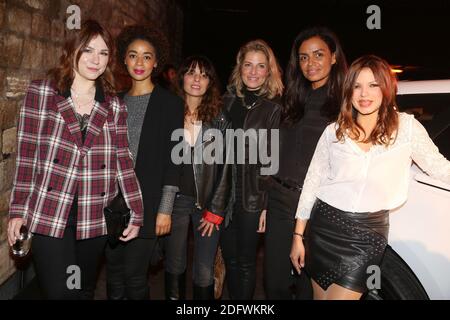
[
  {"x": 264, "y": 115},
  {"x": 213, "y": 181}
]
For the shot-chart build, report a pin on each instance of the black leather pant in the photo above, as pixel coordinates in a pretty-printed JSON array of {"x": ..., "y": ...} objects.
[{"x": 239, "y": 243}]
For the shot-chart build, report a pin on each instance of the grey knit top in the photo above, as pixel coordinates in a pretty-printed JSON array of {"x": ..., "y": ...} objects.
[{"x": 137, "y": 106}]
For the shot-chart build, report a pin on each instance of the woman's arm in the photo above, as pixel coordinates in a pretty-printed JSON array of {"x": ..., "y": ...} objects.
[
  {"x": 427, "y": 155},
  {"x": 126, "y": 176},
  {"x": 215, "y": 209},
  {"x": 318, "y": 169},
  {"x": 26, "y": 161},
  {"x": 27, "y": 141}
]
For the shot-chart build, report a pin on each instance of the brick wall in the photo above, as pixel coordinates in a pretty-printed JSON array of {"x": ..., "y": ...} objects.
[{"x": 31, "y": 36}]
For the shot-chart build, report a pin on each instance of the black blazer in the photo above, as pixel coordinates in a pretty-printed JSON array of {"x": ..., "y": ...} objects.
[{"x": 154, "y": 167}]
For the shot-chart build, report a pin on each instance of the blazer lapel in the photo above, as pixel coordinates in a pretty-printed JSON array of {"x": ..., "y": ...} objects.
[
  {"x": 96, "y": 121},
  {"x": 65, "y": 108}
]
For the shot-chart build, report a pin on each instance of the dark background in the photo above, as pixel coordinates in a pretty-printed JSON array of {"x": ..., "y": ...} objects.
[{"x": 413, "y": 35}]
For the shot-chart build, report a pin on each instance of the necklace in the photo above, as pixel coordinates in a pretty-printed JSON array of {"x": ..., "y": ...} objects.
[
  {"x": 190, "y": 116},
  {"x": 248, "y": 106},
  {"x": 77, "y": 95}
]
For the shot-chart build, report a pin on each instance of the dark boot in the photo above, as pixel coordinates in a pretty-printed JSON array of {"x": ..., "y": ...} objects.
[
  {"x": 203, "y": 293},
  {"x": 175, "y": 286}
]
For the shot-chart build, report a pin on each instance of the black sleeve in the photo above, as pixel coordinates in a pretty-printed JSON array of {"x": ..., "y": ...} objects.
[
  {"x": 273, "y": 123},
  {"x": 221, "y": 195},
  {"x": 174, "y": 120}
]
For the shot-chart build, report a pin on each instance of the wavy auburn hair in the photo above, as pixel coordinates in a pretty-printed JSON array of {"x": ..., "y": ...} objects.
[
  {"x": 211, "y": 103},
  {"x": 273, "y": 86},
  {"x": 76, "y": 40},
  {"x": 387, "y": 123}
]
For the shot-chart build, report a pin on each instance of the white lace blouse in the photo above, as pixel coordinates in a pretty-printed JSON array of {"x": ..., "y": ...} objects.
[{"x": 347, "y": 178}]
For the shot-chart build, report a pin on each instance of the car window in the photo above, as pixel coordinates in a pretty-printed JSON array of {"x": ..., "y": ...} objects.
[{"x": 433, "y": 111}]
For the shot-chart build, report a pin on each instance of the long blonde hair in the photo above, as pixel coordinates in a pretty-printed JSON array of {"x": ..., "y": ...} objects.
[{"x": 273, "y": 86}]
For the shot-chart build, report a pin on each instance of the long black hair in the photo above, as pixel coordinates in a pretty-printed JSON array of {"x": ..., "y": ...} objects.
[{"x": 298, "y": 87}]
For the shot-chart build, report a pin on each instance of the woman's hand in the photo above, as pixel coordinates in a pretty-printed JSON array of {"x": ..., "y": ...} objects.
[
  {"x": 297, "y": 253},
  {"x": 129, "y": 233},
  {"x": 163, "y": 224},
  {"x": 14, "y": 226},
  {"x": 262, "y": 222},
  {"x": 207, "y": 227}
]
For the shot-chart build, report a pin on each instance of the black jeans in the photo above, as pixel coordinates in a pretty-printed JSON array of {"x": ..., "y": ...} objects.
[
  {"x": 281, "y": 281},
  {"x": 127, "y": 267},
  {"x": 53, "y": 258},
  {"x": 205, "y": 248},
  {"x": 239, "y": 242}
]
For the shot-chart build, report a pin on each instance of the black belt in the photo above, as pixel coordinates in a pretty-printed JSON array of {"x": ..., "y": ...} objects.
[{"x": 293, "y": 187}]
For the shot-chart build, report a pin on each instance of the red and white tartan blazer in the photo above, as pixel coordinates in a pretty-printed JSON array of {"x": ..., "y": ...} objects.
[{"x": 53, "y": 164}]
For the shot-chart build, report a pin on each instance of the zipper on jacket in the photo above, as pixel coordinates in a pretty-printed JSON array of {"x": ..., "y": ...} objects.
[{"x": 197, "y": 203}]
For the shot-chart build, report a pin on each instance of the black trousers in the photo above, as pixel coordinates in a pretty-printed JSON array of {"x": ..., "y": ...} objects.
[
  {"x": 127, "y": 266},
  {"x": 64, "y": 264},
  {"x": 239, "y": 242},
  {"x": 281, "y": 281}
]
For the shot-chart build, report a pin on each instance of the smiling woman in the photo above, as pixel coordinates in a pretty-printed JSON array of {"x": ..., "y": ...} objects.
[
  {"x": 253, "y": 101},
  {"x": 153, "y": 114},
  {"x": 60, "y": 187},
  {"x": 359, "y": 172}
]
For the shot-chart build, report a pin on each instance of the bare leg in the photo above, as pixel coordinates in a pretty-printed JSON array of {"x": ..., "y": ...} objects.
[
  {"x": 319, "y": 293},
  {"x": 336, "y": 292}
]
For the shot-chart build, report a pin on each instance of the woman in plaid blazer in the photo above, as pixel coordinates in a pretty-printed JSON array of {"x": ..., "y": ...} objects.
[{"x": 72, "y": 156}]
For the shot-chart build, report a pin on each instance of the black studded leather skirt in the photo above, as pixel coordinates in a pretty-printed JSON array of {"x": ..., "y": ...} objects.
[{"x": 340, "y": 245}]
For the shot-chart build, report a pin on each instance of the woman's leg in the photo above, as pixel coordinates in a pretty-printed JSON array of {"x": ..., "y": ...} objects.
[
  {"x": 176, "y": 248},
  {"x": 137, "y": 262},
  {"x": 229, "y": 244},
  {"x": 247, "y": 240},
  {"x": 115, "y": 271},
  {"x": 52, "y": 257},
  {"x": 89, "y": 253},
  {"x": 278, "y": 277},
  {"x": 205, "y": 249}
]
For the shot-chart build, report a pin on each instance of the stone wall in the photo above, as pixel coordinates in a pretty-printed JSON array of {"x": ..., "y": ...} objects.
[{"x": 31, "y": 36}]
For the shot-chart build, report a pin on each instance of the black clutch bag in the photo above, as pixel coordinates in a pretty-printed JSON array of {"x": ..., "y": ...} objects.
[{"x": 117, "y": 217}]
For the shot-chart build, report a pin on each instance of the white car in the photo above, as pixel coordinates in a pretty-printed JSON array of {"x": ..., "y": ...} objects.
[{"x": 417, "y": 260}]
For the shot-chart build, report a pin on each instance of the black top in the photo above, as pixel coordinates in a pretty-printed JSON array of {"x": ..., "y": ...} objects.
[
  {"x": 187, "y": 181},
  {"x": 154, "y": 166},
  {"x": 240, "y": 108},
  {"x": 298, "y": 142}
]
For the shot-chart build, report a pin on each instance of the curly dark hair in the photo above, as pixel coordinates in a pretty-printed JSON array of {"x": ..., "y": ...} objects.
[
  {"x": 211, "y": 104},
  {"x": 146, "y": 33}
]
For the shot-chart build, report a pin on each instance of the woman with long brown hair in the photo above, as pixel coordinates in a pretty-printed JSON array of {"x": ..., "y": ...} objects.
[
  {"x": 72, "y": 156},
  {"x": 359, "y": 171},
  {"x": 314, "y": 78},
  {"x": 204, "y": 186}
]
